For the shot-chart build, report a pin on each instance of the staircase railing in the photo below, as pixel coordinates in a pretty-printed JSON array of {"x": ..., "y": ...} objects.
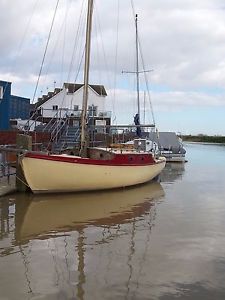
[
  {"x": 31, "y": 122},
  {"x": 52, "y": 122},
  {"x": 59, "y": 127},
  {"x": 76, "y": 138}
]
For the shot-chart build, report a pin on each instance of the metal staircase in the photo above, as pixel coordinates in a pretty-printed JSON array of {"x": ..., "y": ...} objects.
[
  {"x": 64, "y": 130},
  {"x": 68, "y": 140}
]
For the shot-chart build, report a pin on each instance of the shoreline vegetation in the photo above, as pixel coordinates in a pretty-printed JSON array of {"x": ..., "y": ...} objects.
[{"x": 201, "y": 138}]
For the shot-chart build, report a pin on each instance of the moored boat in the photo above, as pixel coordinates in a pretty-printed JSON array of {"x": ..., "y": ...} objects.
[
  {"x": 104, "y": 169},
  {"x": 95, "y": 168}
]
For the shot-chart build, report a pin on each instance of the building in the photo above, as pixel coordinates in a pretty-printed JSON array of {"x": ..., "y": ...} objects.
[
  {"x": 69, "y": 98},
  {"x": 67, "y": 102},
  {"x": 11, "y": 106}
]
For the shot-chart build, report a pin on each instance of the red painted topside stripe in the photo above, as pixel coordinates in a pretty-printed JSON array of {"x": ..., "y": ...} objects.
[{"x": 118, "y": 160}]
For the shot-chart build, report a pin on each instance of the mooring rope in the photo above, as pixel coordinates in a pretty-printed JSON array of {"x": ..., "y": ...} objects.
[{"x": 22, "y": 181}]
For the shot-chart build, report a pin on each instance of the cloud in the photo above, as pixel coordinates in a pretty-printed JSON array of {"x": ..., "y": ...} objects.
[
  {"x": 183, "y": 41},
  {"x": 124, "y": 105},
  {"x": 184, "y": 44}
]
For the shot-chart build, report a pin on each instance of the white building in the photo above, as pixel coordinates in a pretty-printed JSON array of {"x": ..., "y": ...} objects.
[{"x": 68, "y": 101}]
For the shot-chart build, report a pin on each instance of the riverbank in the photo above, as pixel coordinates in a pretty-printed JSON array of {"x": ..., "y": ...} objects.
[{"x": 204, "y": 139}]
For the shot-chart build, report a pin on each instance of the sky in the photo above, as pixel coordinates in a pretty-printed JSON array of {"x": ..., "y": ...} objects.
[{"x": 181, "y": 43}]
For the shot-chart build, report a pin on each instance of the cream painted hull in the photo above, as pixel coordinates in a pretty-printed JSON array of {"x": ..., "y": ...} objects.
[{"x": 45, "y": 176}]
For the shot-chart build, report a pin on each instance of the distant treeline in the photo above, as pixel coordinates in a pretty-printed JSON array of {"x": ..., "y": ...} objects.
[{"x": 204, "y": 138}]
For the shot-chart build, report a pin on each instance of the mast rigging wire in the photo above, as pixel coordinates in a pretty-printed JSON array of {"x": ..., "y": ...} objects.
[
  {"x": 100, "y": 41},
  {"x": 75, "y": 50},
  {"x": 147, "y": 85},
  {"x": 76, "y": 42},
  {"x": 46, "y": 48},
  {"x": 64, "y": 40},
  {"x": 142, "y": 59},
  {"x": 52, "y": 54}
]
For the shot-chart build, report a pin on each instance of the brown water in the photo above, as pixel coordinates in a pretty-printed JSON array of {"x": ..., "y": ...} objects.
[{"x": 156, "y": 241}]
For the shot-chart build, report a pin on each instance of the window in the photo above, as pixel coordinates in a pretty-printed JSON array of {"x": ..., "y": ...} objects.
[
  {"x": 39, "y": 111},
  {"x": 1, "y": 92},
  {"x": 76, "y": 107},
  {"x": 55, "y": 107},
  {"x": 92, "y": 111}
]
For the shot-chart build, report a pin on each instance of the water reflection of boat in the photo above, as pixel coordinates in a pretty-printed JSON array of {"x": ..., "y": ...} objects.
[
  {"x": 172, "y": 172},
  {"x": 39, "y": 216}
]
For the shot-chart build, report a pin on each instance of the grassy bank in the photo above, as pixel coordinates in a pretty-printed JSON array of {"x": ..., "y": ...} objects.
[{"x": 204, "y": 138}]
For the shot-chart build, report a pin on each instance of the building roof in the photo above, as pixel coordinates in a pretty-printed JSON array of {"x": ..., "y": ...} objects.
[
  {"x": 5, "y": 82},
  {"x": 73, "y": 87},
  {"x": 45, "y": 98},
  {"x": 20, "y": 98}
]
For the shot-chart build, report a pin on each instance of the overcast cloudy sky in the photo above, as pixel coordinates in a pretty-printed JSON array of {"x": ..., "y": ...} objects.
[{"x": 182, "y": 41}]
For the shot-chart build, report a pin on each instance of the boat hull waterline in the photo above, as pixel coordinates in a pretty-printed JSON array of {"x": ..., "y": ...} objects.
[{"x": 60, "y": 173}]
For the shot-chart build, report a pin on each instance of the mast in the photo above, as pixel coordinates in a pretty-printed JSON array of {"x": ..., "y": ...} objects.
[
  {"x": 137, "y": 68},
  {"x": 83, "y": 146},
  {"x": 137, "y": 120}
]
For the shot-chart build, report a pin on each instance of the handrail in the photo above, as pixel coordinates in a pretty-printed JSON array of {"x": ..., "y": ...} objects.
[
  {"x": 30, "y": 122},
  {"x": 50, "y": 124},
  {"x": 76, "y": 113},
  {"x": 58, "y": 129},
  {"x": 76, "y": 136}
]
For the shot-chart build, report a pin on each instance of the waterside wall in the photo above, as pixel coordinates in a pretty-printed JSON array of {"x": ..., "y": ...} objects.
[{"x": 9, "y": 137}]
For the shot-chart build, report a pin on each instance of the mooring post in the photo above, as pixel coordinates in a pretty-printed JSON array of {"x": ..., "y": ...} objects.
[{"x": 23, "y": 142}]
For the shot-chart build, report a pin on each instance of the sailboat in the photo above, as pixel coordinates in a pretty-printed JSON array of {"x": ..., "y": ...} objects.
[{"x": 95, "y": 168}]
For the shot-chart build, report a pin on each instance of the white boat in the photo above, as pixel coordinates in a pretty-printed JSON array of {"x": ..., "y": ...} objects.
[
  {"x": 95, "y": 168},
  {"x": 174, "y": 157},
  {"x": 169, "y": 145}
]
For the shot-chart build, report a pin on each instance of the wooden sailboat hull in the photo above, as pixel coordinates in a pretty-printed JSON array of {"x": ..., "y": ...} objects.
[{"x": 64, "y": 173}]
